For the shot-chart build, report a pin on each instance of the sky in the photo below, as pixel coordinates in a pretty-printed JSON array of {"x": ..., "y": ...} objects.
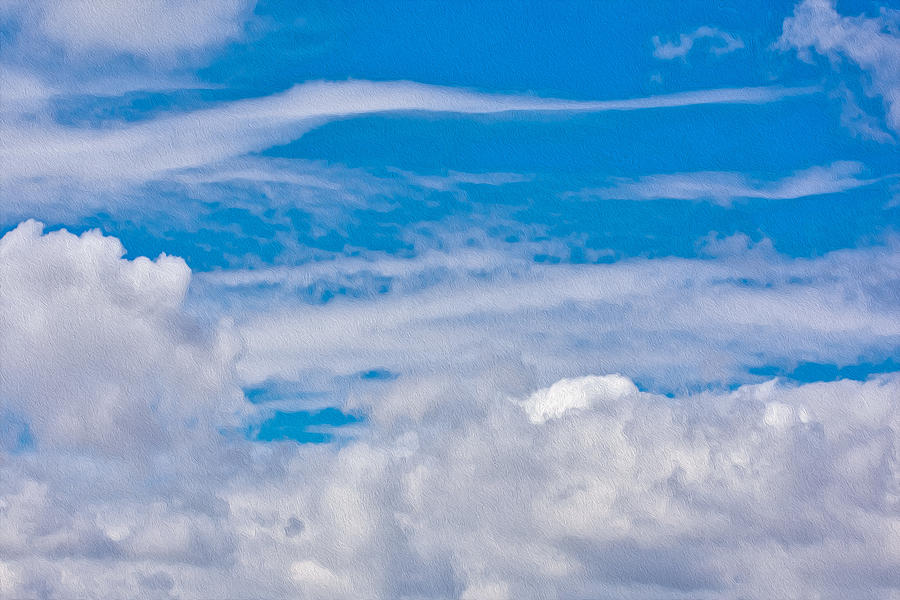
[{"x": 468, "y": 300}]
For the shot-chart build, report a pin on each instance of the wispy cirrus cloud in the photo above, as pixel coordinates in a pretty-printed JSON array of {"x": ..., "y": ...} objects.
[
  {"x": 454, "y": 180},
  {"x": 722, "y": 187},
  {"x": 870, "y": 43},
  {"x": 648, "y": 319},
  {"x": 149, "y": 149}
]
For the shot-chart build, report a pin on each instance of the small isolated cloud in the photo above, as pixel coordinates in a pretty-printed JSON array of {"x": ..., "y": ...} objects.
[
  {"x": 719, "y": 43},
  {"x": 870, "y": 43},
  {"x": 723, "y": 187}
]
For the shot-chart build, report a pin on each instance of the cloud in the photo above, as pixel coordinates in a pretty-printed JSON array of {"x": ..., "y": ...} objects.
[
  {"x": 61, "y": 291},
  {"x": 124, "y": 396},
  {"x": 115, "y": 47},
  {"x": 870, "y": 43},
  {"x": 345, "y": 270},
  {"x": 456, "y": 180},
  {"x": 152, "y": 29},
  {"x": 516, "y": 442},
  {"x": 574, "y": 394},
  {"x": 859, "y": 122},
  {"x": 461, "y": 483},
  {"x": 23, "y": 92},
  {"x": 668, "y": 322},
  {"x": 36, "y": 154},
  {"x": 722, "y": 188},
  {"x": 720, "y": 43},
  {"x": 637, "y": 495}
]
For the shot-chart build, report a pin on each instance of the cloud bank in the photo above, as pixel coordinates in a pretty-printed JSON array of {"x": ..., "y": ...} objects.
[
  {"x": 587, "y": 487},
  {"x": 521, "y": 429},
  {"x": 680, "y": 322}
]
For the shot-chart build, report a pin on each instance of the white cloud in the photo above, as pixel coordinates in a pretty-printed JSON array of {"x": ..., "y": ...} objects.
[
  {"x": 871, "y": 43},
  {"x": 858, "y": 121},
  {"x": 720, "y": 43},
  {"x": 145, "y": 367},
  {"x": 36, "y": 154},
  {"x": 124, "y": 395},
  {"x": 722, "y": 187},
  {"x": 346, "y": 269},
  {"x": 23, "y": 92},
  {"x": 147, "y": 28},
  {"x": 644, "y": 495},
  {"x": 113, "y": 47},
  {"x": 670, "y": 321},
  {"x": 584, "y": 487},
  {"x": 579, "y": 393}
]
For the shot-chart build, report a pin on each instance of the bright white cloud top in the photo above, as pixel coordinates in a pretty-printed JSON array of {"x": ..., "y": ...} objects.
[{"x": 321, "y": 303}]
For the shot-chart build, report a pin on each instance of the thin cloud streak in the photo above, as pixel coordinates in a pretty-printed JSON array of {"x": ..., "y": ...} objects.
[{"x": 723, "y": 187}]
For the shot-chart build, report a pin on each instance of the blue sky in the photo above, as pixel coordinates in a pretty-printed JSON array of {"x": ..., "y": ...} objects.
[{"x": 449, "y": 300}]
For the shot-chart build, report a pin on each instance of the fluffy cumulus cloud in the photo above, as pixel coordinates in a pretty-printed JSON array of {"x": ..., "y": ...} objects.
[
  {"x": 63, "y": 295},
  {"x": 454, "y": 488},
  {"x": 593, "y": 489},
  {"x": 116, "y": 398}
]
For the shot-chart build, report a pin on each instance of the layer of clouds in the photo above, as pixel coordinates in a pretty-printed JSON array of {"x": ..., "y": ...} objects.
[
  {"x": 753, "y": 494},
  {"x": 723, "y": 188},
  {"x": 107, "y": 49},
  {"x": 870, "y": 43},
  {"x": 720, "y": 42},
  {"x": 672, "y": 322},
  {"x": 504, "y": 458},
  {"x": 492, "y": 484},
  {"x": 588, "y": 487},
  {"x": 23, "y": 92}
]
